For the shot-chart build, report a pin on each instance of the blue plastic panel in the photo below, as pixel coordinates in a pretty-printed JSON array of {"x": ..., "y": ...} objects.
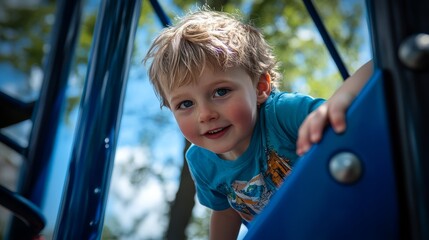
[{"x": 312, "y": 205}]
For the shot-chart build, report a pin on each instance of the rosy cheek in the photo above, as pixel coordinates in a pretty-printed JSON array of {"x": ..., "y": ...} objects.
[
  {"x": 187, "y": 127},
  {"x": 244, "y": 113}
]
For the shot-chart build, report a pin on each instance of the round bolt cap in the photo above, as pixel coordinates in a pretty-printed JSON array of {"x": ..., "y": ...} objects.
[{"x": 345, "y": 167}]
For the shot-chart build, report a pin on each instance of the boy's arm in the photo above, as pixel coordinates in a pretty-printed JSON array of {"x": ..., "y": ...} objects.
[
  {"x": 225, "y": 224},
  {"x": 332, "y": 111}
]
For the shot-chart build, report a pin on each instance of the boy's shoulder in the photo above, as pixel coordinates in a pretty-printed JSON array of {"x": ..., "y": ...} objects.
[
  {"x": 290, "y": 100},
  {"x": 288, "y": 96},
  {"x": 285, "y": 111}
]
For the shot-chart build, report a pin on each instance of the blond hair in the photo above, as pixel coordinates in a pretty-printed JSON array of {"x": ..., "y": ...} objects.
[{"x": 207, "y": 38}]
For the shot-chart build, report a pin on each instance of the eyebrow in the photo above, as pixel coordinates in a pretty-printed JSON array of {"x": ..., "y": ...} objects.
[{"x": 175, "y": 98}]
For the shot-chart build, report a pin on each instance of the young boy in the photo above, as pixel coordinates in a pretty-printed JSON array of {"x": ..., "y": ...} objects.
[{"x": 217, "y": 75}]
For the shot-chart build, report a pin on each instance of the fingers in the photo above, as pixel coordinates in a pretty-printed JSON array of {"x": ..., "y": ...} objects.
[
  {"x": 337, "y": 120},
  {"x": 317, "y": 123},
  {"x": 337, "y": 112},
  {"x": 332, "y": 112},
  {"x": 303, "y": 142},
  {"x": 311, "y": 129}
]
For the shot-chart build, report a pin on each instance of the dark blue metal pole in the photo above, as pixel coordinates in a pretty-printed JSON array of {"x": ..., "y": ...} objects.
[
  {"x": 165, "y": 20},
  {"x": 83, "y": 205},
  {"x": 23, "y": 209},
  {"x": 46, "y": 115},
  {"x": 394, "y": 23},
  {"x": 326, "y": 38}
]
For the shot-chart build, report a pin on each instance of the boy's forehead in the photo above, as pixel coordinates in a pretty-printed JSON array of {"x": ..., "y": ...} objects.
[
  {"x": 210, "y": 76},
  {"x": 206, "y": 74},
  {"x": 188, "y": 77}
]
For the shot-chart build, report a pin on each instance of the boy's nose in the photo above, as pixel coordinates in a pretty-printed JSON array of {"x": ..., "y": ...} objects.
[{"x": 207, "y": 114}]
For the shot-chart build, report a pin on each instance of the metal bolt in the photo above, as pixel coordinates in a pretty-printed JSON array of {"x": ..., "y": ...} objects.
[
  {"x": 414, "y": 51},
  {"x": 345, "y": 167},
  {"x": 106, "y": 140}
]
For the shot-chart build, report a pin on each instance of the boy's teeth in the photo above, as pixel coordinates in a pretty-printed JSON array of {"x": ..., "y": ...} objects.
[{"x": 215, "y": 131}]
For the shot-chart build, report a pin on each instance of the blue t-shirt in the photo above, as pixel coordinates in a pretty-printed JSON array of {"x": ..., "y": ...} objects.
[{"x": 247, "y": 183}]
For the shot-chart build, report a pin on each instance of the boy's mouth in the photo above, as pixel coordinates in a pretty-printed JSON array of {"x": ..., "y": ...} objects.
[{"x": 216, "y": 133}]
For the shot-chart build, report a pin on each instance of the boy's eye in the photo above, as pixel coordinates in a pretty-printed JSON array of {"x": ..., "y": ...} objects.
[
  {"x": 185, "y": 104},
  {"x": 221, "y": 92}
]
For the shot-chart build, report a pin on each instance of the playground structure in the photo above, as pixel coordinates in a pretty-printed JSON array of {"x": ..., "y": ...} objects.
[{"x": 383, "y": 194}]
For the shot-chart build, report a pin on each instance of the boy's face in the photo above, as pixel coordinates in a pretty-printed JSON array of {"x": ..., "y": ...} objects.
[{"x": 219, "y": 112}]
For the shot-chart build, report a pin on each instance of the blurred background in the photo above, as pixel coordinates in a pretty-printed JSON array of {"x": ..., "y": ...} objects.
[{"x": 151, "y": 194}]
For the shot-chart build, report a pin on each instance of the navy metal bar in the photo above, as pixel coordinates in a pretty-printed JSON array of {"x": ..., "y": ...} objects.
[
  {"x": 16, "y": 110},
  {"x": 11, "y": 143},
  {"x": 87, "y": 183},
  {"x": 394, "y": 23},
  {"x": 23, "y": 209},
  {"x": 32, "y": 183},
  {"x": 326, "y": 38},
  {"x": 165, "y": 20}
]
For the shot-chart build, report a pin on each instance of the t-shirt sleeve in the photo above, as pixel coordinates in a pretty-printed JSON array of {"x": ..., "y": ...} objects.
[
  {"x": 291, "y": 109},
  {"x": 206, "y": 193}
]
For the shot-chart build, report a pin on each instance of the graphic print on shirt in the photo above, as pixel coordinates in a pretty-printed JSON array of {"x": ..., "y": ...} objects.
[
  {"x": 278, "y": 169},
  {"x": 250, "y": 197}
]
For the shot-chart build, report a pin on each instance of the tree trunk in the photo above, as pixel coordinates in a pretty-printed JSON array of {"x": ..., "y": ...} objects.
[{"x": 181, "y": 208}]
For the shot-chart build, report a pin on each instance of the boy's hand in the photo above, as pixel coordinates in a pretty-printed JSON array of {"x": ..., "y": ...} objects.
[{"x": 333, "y": 112}]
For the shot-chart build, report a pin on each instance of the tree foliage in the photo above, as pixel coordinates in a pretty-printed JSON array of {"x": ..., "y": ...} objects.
[{"x": 18, "y": 21}]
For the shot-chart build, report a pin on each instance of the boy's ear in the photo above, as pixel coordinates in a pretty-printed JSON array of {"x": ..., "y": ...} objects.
[{"x": 263, "y": 88}]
